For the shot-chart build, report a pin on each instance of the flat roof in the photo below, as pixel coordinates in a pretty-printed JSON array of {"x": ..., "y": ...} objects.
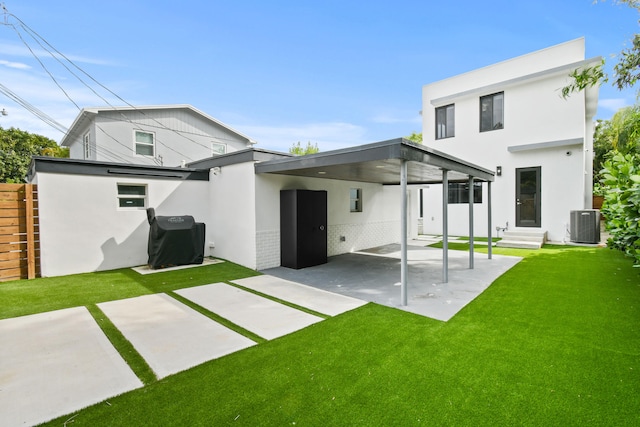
[
  {"x": 379, "y": 163},
  {"x": 92, "y": 167}
]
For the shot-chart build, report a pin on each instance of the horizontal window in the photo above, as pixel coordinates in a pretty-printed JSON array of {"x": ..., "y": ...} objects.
[
  {"x": 217, "y": 149},
  {"x": 459, "y": 192},
  {"x": 132, "y": 196}
]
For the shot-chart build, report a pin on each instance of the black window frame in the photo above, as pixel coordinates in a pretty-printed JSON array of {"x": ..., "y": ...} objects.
[
  {"x": 495, "y": 124},
  {"x": 458, "y": 193},
  {"x": 449, "y": 124}
]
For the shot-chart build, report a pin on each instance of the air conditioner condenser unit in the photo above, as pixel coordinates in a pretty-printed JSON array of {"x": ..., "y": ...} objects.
[{"x": 585, "y": 226}]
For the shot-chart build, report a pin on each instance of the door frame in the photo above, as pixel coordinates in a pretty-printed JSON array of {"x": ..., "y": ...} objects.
[{"x": 537, "y": 222}]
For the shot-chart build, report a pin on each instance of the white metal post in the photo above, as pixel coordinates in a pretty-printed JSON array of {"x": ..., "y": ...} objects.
[
  {"x": 470, "y": 222},
  {"x": 403, "y": 231},
  {"x": 490, "y": 248},
  {"x": 445, "y": 226}
]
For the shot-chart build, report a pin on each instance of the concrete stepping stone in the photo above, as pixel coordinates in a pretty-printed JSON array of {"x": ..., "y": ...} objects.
[
  {"x": 259, "y": 315},
  {"x": 315, "y": 299},
  {"x": 169, "y": 335},
  {"x": 60, "y": 359}
]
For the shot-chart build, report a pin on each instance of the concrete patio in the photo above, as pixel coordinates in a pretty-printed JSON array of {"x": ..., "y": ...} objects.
[{"x": 374, "y": 275}]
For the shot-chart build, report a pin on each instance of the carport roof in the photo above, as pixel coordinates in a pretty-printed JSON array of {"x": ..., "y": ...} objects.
[{"x": 379, "y": 162}]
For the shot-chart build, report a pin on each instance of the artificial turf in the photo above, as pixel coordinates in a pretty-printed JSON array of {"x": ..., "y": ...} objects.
[
  {"x": 22, "y": 297},
  {"x": 554, "y": 341}
]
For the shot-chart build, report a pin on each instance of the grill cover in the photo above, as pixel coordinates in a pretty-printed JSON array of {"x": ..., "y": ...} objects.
[{"x": 174, "y": 240}]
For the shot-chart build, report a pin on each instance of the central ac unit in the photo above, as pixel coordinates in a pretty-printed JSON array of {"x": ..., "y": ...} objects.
[{"x": 585, "y": 226}]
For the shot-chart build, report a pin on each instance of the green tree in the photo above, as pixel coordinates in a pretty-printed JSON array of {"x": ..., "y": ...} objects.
[
  {"x": 625, "y": 73},
  {"x": 16, "y": 149},
  {"x": 415, "y": 137},
  {"x": 621, "y": 133},
  {"x": 299, "y": 150}
]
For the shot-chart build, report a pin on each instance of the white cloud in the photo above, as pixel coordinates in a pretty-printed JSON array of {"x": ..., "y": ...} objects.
[
  {"x": 328, "y": 136},
  {"x": 19, "y": 50},
  {"x": 413, "y": 118},
  {"x": 18, "y": 65},
  {"x": 612, "y": 104}
]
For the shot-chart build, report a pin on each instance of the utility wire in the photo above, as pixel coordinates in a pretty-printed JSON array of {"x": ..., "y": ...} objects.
[
  {"x": 32, "y": 109},
  {"x": 26, "y": 27},
  {"x": 37, "y": 37}
]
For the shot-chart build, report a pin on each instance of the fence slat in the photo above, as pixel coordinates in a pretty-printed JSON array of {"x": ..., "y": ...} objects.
[
  {"x": 19, "y": 232},
  {"x": 31, "y": 262}
]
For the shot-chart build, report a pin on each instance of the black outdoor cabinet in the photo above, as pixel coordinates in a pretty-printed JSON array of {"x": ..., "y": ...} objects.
[{"x": 303, "y": 228}]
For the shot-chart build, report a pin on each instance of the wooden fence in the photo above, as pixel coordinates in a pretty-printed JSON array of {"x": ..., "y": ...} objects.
[{"x": 19, "y": 232}]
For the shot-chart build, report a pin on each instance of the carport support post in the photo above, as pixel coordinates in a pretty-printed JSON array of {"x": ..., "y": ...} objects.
[
  {"x": 445, "y": 226},
  {"x": 403, "y": 232},
  {"x": 471, "y": 222},
  {"x": 489, "y": 250}
]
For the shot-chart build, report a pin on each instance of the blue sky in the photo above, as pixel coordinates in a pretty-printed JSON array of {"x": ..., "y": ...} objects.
[{"x": 335, "y": 73}]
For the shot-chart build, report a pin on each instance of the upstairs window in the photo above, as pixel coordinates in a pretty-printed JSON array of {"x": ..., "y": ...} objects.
[
  {"x": 492, "y": 112},
  {"x": 217, "y": 149},
  {"x": 133, "y": 196},
  {"x": 145, "y": 143},
  {"x": 459, "y": 192},
  {"x": 445, "y": 122}
]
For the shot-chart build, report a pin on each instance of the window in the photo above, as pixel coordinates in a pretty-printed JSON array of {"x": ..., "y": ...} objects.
[
  {"x": 459, "y": 192},
  {"x": 492, "y": 112},
  {"x": 132, "y": 196},
  {"x": 355, "y": 200},
  {"x": 217, "y": 149},
  {"x": 87, "y": 145},
  {"x": 445, "y": 122},
  {"x": 145, "y": 143}
]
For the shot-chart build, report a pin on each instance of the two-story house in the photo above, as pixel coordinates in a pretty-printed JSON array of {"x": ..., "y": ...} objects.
[
  {"x": 163, "y": 135},
  {"x": 510, "y": 117}
]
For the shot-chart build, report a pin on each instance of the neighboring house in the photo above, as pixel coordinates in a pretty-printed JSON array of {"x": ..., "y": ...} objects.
[
  {"x": 164, "y": 135},
  {"x": 510, "y": 117}
]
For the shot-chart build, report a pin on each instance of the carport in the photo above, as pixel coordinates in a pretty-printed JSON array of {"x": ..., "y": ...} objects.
[{"x": 394, "y": 162}]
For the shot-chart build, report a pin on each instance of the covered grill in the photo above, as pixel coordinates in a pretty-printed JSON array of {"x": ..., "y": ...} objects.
[{"x": 174, "y": 240}]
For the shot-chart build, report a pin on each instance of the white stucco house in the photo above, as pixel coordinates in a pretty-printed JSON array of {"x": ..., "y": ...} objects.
[
  {"x": 504, "y": 127},
  {"x": 510, "y": 117},
  {"x": 164, "y": 135},
  {"x": 93, "y": 217}
]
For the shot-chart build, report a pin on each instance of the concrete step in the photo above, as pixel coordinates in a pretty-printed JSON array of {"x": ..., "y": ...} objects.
[
  {"x": 519, "y": 244},
  {"x": 523, "y": 239},
  {"x": 525, "y": 236}
]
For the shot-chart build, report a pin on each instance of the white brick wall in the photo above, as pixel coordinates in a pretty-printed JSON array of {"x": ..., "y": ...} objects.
[
  {"x": 361, "y": 236},
  {"x": 267, "y": 249},
  {"x": 357, "y": 237}
]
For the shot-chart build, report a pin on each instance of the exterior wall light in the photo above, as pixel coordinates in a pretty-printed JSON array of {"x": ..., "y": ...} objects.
[{"x": 499, "y": 170}]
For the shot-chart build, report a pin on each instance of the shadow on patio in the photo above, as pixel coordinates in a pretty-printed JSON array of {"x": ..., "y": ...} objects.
[{"x": 374, "y": 275}]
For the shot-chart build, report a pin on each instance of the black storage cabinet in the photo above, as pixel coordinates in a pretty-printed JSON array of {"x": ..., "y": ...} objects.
[
  {"x": 174, "y": 240},
  {"x": 303, "y": 228}
]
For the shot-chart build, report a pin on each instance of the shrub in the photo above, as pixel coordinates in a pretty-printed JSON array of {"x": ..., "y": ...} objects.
[{"x": 621, "y": 206}]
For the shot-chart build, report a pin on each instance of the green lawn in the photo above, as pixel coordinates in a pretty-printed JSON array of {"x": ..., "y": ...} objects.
[{"x": 554, "y": 341}]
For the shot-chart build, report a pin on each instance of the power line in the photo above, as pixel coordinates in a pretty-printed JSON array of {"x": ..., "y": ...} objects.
[{"x": 32, "y": 109}]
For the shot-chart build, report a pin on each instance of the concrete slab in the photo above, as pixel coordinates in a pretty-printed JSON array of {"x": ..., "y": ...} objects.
[
  {"x": 54, "y": 363},
  {"x": 259, "y": 315},
  {"x": 169, "y": 335},
  {"x": 374, "y": 275},
  {"x": 144, "y": 269},
  {"x": 315, "y": 299}
]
